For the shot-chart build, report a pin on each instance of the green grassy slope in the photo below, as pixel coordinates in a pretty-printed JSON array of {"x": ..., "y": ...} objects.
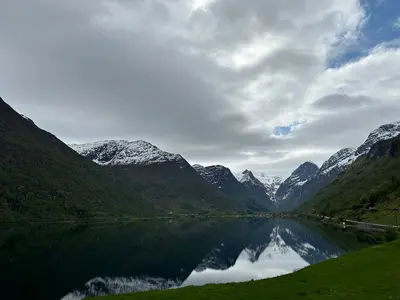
[
  {"x": 368, "y": 191},
  {"x": 370, "y": 274}
]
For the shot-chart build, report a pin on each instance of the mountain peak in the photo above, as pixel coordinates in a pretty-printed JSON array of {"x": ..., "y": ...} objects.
[
  {"x": 385, "y": 148},
  {"x": 249, "y": 178},
  {"x": 269, "y": 183},
  {"x": 305, "y": 169},
  {"x": 122, "y": 152},
  {"x": 216, "y": 174},
  {"x": 298, "y": 178},
  {"x": 383, "y": 132},
  {"x": 339, "y": 160}
]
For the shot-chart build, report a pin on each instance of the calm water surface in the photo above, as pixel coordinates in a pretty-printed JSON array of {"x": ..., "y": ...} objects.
[{"x": 75, "y": 261}]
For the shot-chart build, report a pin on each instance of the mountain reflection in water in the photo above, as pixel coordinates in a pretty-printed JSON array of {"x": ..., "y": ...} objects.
[{"x": 76, "y": 262}]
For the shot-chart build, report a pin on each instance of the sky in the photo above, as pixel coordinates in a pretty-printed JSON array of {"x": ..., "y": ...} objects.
[{"x": 257, "y": 84}]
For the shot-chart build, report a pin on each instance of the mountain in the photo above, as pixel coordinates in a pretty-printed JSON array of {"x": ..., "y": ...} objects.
[
  {"x": 250, "y": 193},
  {"x": 382, "y": 133},
  {"x": 249, "y": 180},
  {"x": 271, "y": 183},
  {"x": 289, "y": 191},
  {"x": 329, "y": 170},
  {"x": 336, "y": 164},
  {"x": 338, "y": 161},
  {"x": 120, "y": 153},
  {"x": 368, "y": 190},
  {"x": 166, "y": 179},
  {"x": 41, "y": 178},
  {"x": 220, "y": 176},
  {"x": 256, "y": 188}
]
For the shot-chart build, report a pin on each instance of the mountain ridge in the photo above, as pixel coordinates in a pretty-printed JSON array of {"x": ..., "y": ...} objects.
[
  {"x": 337, "y": 164},
  {"x": 367, "y": 191},
  {"x": 41, "y": 178},
  {"x": 251, "y": 194},
  {"x": 123, "y": 152},
  {"x": 290, "y": 187}
]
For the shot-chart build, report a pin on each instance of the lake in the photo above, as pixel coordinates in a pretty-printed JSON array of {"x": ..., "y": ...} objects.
[{"x": 51, "y": 262}]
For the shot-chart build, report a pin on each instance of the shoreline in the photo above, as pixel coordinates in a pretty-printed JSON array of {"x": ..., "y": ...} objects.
[{"x": 333, "y": 221}]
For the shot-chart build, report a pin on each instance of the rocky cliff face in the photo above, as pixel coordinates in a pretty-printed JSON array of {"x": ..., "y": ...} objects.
[
  {"x": 288, "y": 190},
  {"x": 387, "y": 148}
]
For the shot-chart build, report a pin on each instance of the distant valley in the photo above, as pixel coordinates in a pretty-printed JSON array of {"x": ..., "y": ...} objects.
[{"x": 42, "y": 178}]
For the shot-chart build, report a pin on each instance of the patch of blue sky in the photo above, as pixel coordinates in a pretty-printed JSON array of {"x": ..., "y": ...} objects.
[
  {"x": 285, "y": 130},
  {"x": 381, "y": 27}
]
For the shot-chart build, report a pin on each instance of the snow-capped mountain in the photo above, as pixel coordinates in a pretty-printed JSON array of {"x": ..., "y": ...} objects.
[
  {"x": 248, "y": 179},
  {"x": 250, "y": 191},
  {"x": 386, "y": 148},
  {"x": 114, "y": 153},
  {"x": 270, "y": 183},
  {"x": 329, "y": 170},
  {"x": 336, "y": 164},
  {"x": 384, "y": 132},
  {"x": 218, "y": 175},
  {"x": 299, "y": 177},
  {"x": 256, "y": 188},
  {"x": 340, "y": 160}
]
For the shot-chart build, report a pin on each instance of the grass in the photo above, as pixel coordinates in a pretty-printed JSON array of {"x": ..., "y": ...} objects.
[{"x": 370, "y": 274}]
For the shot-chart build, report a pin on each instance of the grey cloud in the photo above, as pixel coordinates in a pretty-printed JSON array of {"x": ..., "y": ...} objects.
[
  {"x": 347, "y": 128},
  {"x": 123, "y": 77},
  {"x": 85, "y": 77},
  {"x": 338, "y": 101}
]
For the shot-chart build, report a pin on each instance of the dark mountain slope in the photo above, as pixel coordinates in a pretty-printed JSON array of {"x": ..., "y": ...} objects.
[
  {"x": 43, "y": 179},
  {"x": 290, "y": 191},
  {"x": 250, "y": 195},
  {"x": 177, "y": 188},
  {"x": 368, "y": 190},
  {"x": 331, "y": 168},
  {"x": 167, "y": 180}
]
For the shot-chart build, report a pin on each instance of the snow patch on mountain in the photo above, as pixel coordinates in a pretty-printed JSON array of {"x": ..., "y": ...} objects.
[
  {"x": 249, "y": 179},
  {"x": 384, "y": 132},
  {"x": 114, "y": 153},
  {"x": 340, "y": 160},
  {"x": 214, "y": 174},
  {"x": 298, "y": 178},
  {"x": 344, "y": 158},
  {"x": 270, "y": 183}
]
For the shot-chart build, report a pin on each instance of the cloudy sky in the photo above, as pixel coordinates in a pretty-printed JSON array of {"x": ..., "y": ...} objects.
[{"x": 253, "y": 84}]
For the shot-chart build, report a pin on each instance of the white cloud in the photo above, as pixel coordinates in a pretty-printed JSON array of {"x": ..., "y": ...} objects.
[{"x": 396, "y": 24}]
